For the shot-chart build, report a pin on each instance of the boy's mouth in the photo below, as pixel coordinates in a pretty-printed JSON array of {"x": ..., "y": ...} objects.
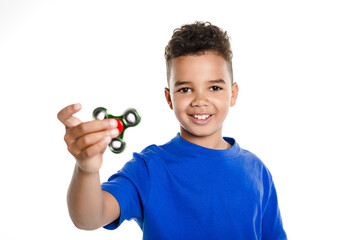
[{"x": 201, "y": 117}]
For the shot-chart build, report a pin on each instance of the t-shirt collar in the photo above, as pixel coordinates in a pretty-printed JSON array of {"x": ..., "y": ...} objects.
[{"x": 183, "y": 146}]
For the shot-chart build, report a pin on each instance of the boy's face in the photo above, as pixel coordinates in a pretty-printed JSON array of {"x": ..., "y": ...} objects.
[{"x": 200, "y": 93}]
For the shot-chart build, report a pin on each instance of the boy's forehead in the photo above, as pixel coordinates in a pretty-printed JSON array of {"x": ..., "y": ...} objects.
[{"x": 208, "y": 66}]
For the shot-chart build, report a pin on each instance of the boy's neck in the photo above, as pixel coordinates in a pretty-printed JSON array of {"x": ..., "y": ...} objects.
[{"x": 215, "y": 141}]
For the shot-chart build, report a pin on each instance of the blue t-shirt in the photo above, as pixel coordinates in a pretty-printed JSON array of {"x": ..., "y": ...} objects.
[{"x": 184, "y": 191}]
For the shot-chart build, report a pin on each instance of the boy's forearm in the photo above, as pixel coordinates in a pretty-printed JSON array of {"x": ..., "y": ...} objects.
[{"x": 85, "y": 201}]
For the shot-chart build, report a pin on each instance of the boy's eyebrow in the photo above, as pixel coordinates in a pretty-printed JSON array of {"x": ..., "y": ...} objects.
[
  {"x": 218, "y": 81},
  {"x": 179, "y": 83}
]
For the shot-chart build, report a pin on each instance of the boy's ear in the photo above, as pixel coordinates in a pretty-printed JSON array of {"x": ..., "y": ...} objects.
[
  {"x": 234, "y": 94},
  {"x": 168, "y": 97}
]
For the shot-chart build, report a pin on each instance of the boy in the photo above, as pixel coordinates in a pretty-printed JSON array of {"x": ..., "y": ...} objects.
[{"x": 199, "y": 185}]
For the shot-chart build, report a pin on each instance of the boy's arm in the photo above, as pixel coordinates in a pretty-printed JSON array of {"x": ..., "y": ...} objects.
[
  {"x": 272, "y": 226},
  {"x": 89, "y": 206}
]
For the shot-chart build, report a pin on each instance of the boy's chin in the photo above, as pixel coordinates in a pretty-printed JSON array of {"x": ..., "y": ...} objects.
[{"x": 198, "y": 133}]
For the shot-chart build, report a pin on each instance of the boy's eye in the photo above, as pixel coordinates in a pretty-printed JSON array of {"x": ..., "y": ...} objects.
[
  {"x": 184, "y": 90},
  {"x": 215, "y": 88}
]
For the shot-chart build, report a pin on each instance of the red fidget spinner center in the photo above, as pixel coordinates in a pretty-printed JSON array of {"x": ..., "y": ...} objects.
[{"x": 120, "y": 125}]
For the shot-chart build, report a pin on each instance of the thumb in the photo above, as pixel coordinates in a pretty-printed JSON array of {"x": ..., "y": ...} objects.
[{"x": 66, "y": 115}]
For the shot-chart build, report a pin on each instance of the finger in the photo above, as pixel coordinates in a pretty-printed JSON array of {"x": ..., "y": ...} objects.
[
  {"x": 92, "y": 127},
  {"x": 66, "y": 115},
  {"x": 97, "y": 148},
  {"x": 92, "y": 138}
]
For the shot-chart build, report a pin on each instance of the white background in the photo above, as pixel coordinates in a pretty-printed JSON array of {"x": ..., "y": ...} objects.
[{"x": 296, "y": 63}]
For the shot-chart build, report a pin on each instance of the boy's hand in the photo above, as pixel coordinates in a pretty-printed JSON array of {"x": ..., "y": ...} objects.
[{"x": 87, "y": 141}]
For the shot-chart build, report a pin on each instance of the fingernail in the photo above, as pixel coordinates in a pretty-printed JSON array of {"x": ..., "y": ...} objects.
[
  {"x": 114, "y": 132},
  {"x": 107, "y": 139},
  {"x": 77, "y": 106},
  {"x": 113, "y": 123}
]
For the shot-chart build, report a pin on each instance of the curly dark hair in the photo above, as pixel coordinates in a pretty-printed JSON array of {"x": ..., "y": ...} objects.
[{"x": 195, "y": 39}]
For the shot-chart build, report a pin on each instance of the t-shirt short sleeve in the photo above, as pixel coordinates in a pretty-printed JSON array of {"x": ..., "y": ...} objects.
[
  {"x": 272, "y": 226},
  {"x": 129, "y": 186}
]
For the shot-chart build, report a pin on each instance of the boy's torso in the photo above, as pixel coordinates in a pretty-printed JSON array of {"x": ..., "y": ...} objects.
[{"x": 198, "y": 197}]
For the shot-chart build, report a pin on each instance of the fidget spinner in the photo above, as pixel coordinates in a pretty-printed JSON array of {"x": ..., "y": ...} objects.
[{"x": 130, "y": 118}]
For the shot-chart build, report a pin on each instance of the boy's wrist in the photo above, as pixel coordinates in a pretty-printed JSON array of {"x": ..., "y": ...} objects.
[{"x": 83, "y": 171}]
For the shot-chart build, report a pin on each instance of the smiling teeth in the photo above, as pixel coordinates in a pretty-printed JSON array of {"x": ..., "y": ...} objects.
[{"x": 201, "y": 117}]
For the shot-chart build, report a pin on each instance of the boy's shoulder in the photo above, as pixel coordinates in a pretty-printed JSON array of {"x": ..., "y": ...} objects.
[
  {"x": 153, "y": 151},
  {"x": 156, "y": 149}
]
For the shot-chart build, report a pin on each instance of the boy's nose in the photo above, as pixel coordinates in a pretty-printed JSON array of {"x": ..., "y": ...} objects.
[{"x": 199, "y": 100}]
